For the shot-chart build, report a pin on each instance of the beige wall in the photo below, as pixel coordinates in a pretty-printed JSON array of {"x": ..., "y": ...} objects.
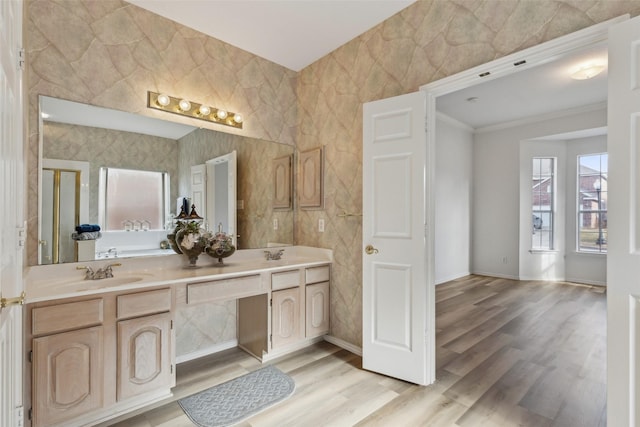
[
  {"x": 109, "y": 53},
  {"x": 427, "y": 41}
]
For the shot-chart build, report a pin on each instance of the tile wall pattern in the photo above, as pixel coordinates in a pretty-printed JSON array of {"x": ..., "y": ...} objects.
[
  {"x": 429, "y": 40},
  {"x": 109, "y": 53}
]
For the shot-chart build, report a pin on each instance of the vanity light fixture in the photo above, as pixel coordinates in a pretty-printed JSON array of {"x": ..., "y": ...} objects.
[
  {"x": 587, "y": 71},
  {"x": 183, "y": 107}
]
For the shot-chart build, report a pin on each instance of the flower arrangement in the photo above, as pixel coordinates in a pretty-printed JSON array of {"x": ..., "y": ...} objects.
[
  {"x": 190, "y": 239},
  {"x": 220, "y": 245}
]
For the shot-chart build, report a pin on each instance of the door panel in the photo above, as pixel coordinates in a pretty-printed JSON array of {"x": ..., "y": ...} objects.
[
  {"x": 396, "y": 306},
  {"x": 623, "y": 259}
]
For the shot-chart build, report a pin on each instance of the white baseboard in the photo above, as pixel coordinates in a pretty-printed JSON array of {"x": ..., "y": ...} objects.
[
  {"x": 451, "y": 277},
  {"x": 586, "y": 282},
  {"x": 207, "y": 351},
  {"x": 343, "y": 344},
  {"x": 498, "y": 275}
]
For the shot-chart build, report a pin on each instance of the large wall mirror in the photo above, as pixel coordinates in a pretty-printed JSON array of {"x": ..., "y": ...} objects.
[{"x": 80, "y": 142}]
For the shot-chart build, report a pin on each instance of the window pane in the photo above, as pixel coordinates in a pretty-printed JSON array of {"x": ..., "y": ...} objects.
[
  {"x": 592, "y": 202},
  {"x": 134, "y": 199},
  {"x": 542, "y": 202}
]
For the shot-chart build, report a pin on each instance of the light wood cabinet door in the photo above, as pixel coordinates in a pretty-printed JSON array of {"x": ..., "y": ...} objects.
[
  {"x": 144, "y": 350},
  {"x": 317, "y": 310},
  {"x": 285, "y": 317},
  {"x": 68, "y": 375}
]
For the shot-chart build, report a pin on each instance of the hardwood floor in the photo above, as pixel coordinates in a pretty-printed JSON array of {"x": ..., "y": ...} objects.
[{"x": 508, "y": 354}]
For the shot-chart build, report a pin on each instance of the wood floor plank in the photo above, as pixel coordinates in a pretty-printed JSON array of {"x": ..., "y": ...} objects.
[{"x": 508, "y": 353}]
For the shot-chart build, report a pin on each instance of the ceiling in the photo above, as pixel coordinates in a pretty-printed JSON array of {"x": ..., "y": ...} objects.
[
  {"x": 292, "y": 33},
  {"x": 534, "y": 92},
  {"x": 296, "y": 33}
]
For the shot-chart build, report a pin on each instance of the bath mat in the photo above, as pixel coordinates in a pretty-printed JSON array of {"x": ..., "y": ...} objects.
[{"x": 231, "y": 402}]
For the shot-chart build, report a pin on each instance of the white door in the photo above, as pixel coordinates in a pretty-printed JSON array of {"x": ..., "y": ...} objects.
[
  {"x": 623, "y": 259},
  {"x": 221, "y": 194},
  {"x": 11, "y": 211},
  {"x": 199, "y": 190},
  {"x": 398, "y": 316}
]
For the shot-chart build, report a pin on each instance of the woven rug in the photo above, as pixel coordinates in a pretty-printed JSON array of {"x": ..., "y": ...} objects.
[{"x": 231, "y": 402}]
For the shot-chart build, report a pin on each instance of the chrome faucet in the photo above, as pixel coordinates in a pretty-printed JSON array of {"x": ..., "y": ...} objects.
[
  {"x": 112, "y": 252},
  {"x": 273, "y": 255},
  {"x": 101, "y": 273}
]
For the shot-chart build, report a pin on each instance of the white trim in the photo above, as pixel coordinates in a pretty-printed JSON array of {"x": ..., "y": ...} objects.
[
  {"x": 226, "y": 345},
  {"x": 498, "y": 275},
  {"x": 542, "y": 117},
  {"x": 536, "y": 55},
  {"x": 343, "y": 344},
  {"x": 454, "y": 122},
  {"x": 452, "y": 277},
  {"x": 586, "y": 282}
]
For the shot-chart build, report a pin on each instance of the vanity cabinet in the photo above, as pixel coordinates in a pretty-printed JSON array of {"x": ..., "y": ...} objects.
[
  {"x": 95, "y": 357},
  {"x": 68, "y": 361},
  {"x": 144, "y": 343},
  {"x": 286, "y": 306},
  {"x": 68, "y": 373},
  {"x": 299, "y": 305}
]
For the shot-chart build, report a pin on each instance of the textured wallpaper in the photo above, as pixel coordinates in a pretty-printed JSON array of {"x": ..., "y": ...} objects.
[
  {"x": 110, "y": 148},
  {"x": 425, "y": 42},
  {"x": 109, "y": 53},
  {"x": 254, "y": 182}
]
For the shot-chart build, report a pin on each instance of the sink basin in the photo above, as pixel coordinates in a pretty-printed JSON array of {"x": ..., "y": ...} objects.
[{"x": 84, "y": 285}]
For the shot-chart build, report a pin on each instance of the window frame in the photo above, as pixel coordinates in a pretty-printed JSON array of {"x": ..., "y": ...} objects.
[
  {"x": 552, "y": 204},
  {"x": 103, "y": 202}
]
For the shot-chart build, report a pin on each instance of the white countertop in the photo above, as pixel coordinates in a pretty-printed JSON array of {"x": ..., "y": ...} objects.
[{"x": 49, "y": 282}]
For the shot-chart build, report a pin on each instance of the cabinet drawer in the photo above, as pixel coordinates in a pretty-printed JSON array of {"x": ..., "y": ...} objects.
[
  {"x": 285, "y": 279},
  {"x": 216, "y": 290},
  {"x": 141, "y": 303},
  {"x": 67, "y": 316},
  {"x": 317, "y": 274}
]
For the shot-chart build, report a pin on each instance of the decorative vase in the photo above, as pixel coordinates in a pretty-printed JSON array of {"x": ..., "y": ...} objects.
[
  {"x": 220, "y": 245},
  {"x": 191, "y": 244}
]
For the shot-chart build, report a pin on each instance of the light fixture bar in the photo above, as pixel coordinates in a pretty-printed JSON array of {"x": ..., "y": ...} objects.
[{"x": 192, "y": 109}]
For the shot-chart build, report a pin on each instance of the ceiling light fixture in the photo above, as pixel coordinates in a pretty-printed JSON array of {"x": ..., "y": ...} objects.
[
  {"x": 194, "y": 110},
  {"x": 587, "y": 71}
]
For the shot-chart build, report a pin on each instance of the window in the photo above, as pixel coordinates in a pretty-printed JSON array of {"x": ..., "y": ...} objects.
[
  {"x": 592, "y": 202},
  {"x": 133, "y": 200},
  {"x": 543, "y": 201}
]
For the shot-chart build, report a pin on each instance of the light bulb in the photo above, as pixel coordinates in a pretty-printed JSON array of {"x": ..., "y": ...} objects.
[
  {"x": 204, "y": 110},
  {"x": 163, "y": 100},
  {"x": 237, "y": 118},
  {"x": 184, "y": 105},
  {"x": 221, "y": 114}
]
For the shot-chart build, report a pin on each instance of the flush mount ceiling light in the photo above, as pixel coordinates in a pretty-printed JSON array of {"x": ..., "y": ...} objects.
[
  {"x": 587, "y": 70},
  {"x": 183, "y": 107}
]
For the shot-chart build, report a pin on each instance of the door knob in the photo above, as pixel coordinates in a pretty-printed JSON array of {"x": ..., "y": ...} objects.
[{"x": 370, "y": 250}]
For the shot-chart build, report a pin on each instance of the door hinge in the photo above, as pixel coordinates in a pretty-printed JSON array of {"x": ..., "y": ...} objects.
[
  {"x": 171, "y": 325},
  {"x": 21, "y": 59},
  {"x": 30, "y": 413},
  {"x": 271, "y": 302},
  {"x": 30, "y": 356},
  {"x": 171, "y": 369},
  {"x": 21, "y": 237}
]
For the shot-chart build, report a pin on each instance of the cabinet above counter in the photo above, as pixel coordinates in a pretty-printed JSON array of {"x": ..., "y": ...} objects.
[{"x": 51, "y": 282}]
